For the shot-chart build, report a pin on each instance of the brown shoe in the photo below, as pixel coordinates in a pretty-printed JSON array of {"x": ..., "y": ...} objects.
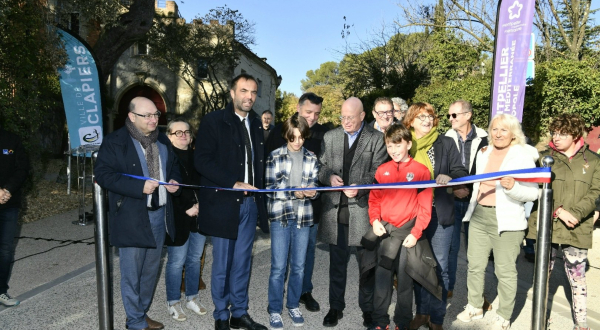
[
  {"x": 433, "y": 326},
  {"x": 450, "y": 294},
  {"x": 487, "y": 306},
  {"x": 201, "y": 284},
  {"x": 418, "y": 321},
  {"x": 154, "y": 325}
]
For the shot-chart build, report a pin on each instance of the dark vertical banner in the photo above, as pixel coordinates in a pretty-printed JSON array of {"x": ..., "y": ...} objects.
[
  {"x": 80, "y": 88},
  {"x": 513, "y": 35}
]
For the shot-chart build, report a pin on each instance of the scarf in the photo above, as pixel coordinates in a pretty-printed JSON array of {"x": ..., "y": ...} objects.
[
  {"x": 152, "y": 160},
  {"x": 419, "y": 148}
]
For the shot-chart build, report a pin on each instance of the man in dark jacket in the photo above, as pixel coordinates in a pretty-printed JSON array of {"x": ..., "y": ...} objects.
[
  {"x": 140, "y": 212},
  {"x": 230, "y": 154},
  {"x": 309, "y": 107},
  {"x": 14, "y": 167}
]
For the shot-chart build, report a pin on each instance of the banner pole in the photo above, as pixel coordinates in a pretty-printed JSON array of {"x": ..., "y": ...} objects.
[{"x": 494, "y": 60}]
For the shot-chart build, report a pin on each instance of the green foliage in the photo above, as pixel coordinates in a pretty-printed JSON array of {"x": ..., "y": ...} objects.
[
  {"x": 441, "y": 93},
  {"x": 289, "y": 103},
  {"x": 560, "y": 86},
  {"x": 30, "y": 53},
  {"x": 326, "y": 74}
]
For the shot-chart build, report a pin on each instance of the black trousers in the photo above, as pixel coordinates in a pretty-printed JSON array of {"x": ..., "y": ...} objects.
[
  {"x": 383, "y": 291},
  {"x": 339, "y": 255}
]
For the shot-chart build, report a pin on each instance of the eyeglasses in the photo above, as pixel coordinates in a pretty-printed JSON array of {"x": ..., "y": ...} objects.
[
  {"x": 348, "y": 118},
  {"x": 383, "y": 114},
  {"x": 453, "y": 115},
  {"x": 424, "y": 116},
  {"x": 180, "y": 133},
  {"x": 561, "y": 136},
  {"x": 148, "y": 116}
]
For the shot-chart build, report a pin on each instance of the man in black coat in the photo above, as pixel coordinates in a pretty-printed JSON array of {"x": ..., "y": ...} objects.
[
  {"x": 230, "y": 153},
  {"x": 140, "y": 212},
  {"x": 309, "y": 107},
  {"x": 14, "y": 167}
]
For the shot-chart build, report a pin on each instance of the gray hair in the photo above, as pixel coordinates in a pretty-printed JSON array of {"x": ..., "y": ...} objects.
[
  {"x": 401, "y": 103},
  {"x": 465, "y": 106}
]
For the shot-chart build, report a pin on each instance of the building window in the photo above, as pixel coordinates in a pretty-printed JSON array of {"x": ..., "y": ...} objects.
[
  {"x": 259, "y": 92},
  {"x": 74, "y": 23},
  {"x": 140, "y": 48},
  {"x": 202, "y": 68}
]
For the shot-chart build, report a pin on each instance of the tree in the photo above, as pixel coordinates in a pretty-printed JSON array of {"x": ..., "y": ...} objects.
[
  {"x": 203, "y": 55},
  {"x": 30, "y": 53},
  {"x": 289, "y": 101},
  {"x": 326, "y": 74}
]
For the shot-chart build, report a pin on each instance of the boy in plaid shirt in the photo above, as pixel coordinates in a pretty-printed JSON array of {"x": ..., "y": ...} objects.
[{"x": 290, "y": 216}]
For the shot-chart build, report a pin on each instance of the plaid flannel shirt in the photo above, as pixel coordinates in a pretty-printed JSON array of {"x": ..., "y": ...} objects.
[{"x": 280, "y": 204}]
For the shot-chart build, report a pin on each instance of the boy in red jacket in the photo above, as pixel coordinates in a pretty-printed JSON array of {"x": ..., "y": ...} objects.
[{"x": 405, "y": 213}]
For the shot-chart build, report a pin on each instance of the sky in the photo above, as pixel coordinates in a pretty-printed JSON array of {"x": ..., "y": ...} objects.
[{"x": 297, "y": 36}]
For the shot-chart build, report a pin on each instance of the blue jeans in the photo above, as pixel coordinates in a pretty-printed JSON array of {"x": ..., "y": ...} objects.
[
  {"x": 440, "y": 238},
  {"x": 8, "y": 230},
  {"x": 460, "y": 208},
  {"x": 232, "y": 262},
  {"x": 188, "y": 254},
  {"x": 289, "y": 241},
  {"x": 139, "y": 273},
  {"x": 309, "y": 266}
]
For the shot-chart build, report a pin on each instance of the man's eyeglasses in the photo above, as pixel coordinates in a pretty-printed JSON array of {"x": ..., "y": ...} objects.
[
  {"x": 561, "y": 136},
  {"x": 424, "y": 116},
  {"x": 453, "y": 115},
  {"x": 180, "y": 133},
  {"x": 383, "y": 114},
  {"x": 348, "y": 118},
  {"x": 148, "y": 116}
]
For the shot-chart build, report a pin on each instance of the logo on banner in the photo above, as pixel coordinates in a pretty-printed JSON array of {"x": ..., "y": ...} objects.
[
  {"x": 514, "y": 11},
  {"x": 90, "y": 135},
  {"x": 7, "y": 151}
]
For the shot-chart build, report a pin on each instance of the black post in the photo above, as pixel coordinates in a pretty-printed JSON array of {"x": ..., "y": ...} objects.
[
  {"x": 101, "y": 240},
  {"x": 542, "y": 254}
]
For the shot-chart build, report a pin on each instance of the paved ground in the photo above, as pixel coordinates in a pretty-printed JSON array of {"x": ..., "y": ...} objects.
[{"x": 54, "y": 276}]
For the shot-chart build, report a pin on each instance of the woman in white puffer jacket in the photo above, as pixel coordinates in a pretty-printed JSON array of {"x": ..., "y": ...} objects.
[{"x": 497, "y": 217}]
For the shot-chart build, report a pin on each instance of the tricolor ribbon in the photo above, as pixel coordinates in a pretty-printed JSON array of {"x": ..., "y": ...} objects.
[{"x": 538, "y": 174}]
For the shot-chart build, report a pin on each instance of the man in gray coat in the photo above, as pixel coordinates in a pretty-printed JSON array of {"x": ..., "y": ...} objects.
[{"x": 350, "y": 155}]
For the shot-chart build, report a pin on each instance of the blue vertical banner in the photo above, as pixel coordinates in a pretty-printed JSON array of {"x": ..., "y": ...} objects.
[
  {"x": 80, "y": 88},
  {"x": 511, "y": 52}
]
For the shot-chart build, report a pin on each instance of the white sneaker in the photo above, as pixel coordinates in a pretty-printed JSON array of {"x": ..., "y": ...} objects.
[
  {"x": 470, "y": 313},
  {"x": 176, "y": 312},
  {"x": 7, "y": 300},
  {"x": 196, "y": 306},
  {"x": 501, "y": 323}
]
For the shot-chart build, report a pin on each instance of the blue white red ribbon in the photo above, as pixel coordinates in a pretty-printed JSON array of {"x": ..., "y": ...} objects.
[{"x": 538, "y": 174}]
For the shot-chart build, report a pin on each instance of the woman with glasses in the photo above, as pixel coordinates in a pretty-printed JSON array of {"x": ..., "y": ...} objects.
[
  {"x": 576, "y": 186},
  {"x": 496, "y": 214},
  {"x": 440, "y": 155},
  {"x": 188, "y": 245}
]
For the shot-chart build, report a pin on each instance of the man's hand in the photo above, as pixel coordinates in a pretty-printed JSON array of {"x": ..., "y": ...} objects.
[
  {"x": 409, "y": 241},
  {"x": 193, "y": 211},
  {"x": 460, "y": 191},
  {"x": 336, "y": 181},
  {"x": 442, "y": 179},
  {"x": 4, "y": 196},
  {"x": 351, "y": 193},
  {"x": 150, "y": 186},
  {"x": 507, "y": 182},
  {"x": 310, "y": 193},
  {"x": 566, "y": 217},
  {"x": 378, "y": 228},
  {"x": 245, "y": 186},
  {"x": 299, "y": 194},
  {"x": 170, "y": 188}
]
